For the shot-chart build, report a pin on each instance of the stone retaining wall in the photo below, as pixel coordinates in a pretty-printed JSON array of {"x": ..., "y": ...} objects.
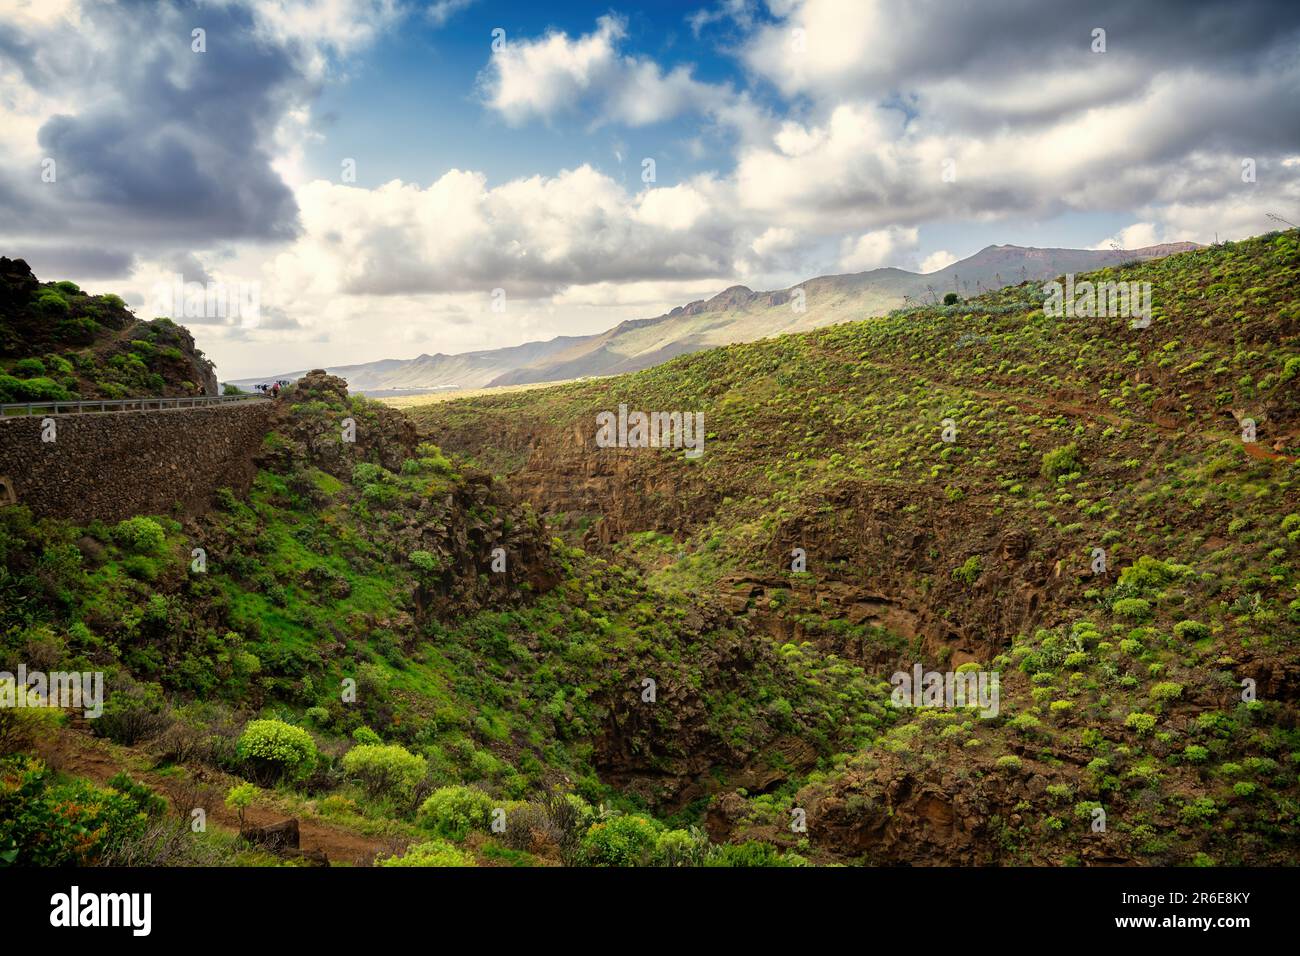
[{"x": 114, "y": 465}]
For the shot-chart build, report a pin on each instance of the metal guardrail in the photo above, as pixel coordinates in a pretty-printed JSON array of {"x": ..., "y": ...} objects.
[{"x": 18, "y": 409}]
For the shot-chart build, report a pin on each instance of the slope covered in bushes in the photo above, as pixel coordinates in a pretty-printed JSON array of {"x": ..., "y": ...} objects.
[
  {"x": 376, "y": 626},
  {"x": 1106, "y": 514},
  {"x": 59, "y": 343}
]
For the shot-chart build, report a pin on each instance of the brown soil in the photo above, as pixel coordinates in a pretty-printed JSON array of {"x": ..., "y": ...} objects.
[{"x": 1263, "y": 454}]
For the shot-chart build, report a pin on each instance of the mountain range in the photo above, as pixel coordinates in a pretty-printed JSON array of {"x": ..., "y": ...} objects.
[{"x": 736, "y": 314}]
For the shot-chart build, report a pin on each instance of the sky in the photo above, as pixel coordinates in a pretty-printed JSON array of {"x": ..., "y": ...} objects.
[{"x": 382, "y": 178}]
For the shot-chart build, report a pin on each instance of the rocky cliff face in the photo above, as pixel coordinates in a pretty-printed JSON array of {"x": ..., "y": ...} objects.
[
  {"x": 883, "y": 555},
  {"x": 488, "y": 546}
]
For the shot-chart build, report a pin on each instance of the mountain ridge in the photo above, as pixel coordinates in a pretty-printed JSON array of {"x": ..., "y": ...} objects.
[{"x": 735, "y": 314}]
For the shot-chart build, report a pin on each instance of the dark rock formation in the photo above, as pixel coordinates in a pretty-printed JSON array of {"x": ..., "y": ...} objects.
[{"x": 275, "y": 836}]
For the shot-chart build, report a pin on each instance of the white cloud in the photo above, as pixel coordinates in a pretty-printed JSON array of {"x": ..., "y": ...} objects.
[
  {"x": 540, "y": 79},
  {"x": 676, "y": 207},
  {"x": 866, "y": 165},
  {"x": 537, "y": 78},
  {"x": 439, "y": 12},
  {"x": 530, "y": 236},
  {"x": 650, "y": 298},
  {"x": 739, "y": 11},
  {"x": 939, "y": 259},
  {"x": 882, "y": 247},
  {"x": 1136, "y": 236},
  {"x": 337, "y": 26},
  {"x": 820, "y": 45},
  {"x": 42, "y": 13},
  {"x": 888, "y": 91},
  {"x": 775, "y": 240}
]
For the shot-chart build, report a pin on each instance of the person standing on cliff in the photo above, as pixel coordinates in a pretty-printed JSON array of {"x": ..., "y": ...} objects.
[{"x": 275, "y": 390}]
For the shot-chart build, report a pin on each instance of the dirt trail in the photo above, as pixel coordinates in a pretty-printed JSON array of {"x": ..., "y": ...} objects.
[
  {"x": 1263, "y": 454},
  {"x": 81, "y": 755}
]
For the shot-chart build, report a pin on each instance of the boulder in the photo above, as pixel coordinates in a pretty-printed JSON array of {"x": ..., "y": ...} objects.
[{"x": 275, "y": 836}]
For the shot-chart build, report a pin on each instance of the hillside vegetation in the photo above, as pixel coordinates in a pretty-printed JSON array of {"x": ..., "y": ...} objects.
[
  {"x": 1121, "y": 688},
  {"x": 60, "y": 343},
  {"x": 349, "y": 613},
  {"x": 654, "y": 676}
]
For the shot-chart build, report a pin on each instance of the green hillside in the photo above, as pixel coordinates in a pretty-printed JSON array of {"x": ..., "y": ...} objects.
[
  {"x": 652, "y": 677},
  {"x": 1121, "y": 688},
  {"x": 59, "y": 343}
]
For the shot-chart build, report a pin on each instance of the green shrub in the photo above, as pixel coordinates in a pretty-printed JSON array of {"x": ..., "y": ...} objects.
[
  {"x": 38, "y": 390},
  {"x": 1084, "y": 809},
  {"x": 1141, "y": 723},
  {"x": 1025, "y": 723},
  {"x": 1200, "y": 810},
  {"x": 969, "y": 571},
  {"x": 380, "y": 495},
  {"x": 751, "y": 853},
  {"x": 1191, "y": 631},
  {"x": 10, "y": 388},
  {"x": 365, "y": 473},
  {"x": 1166, "y": 690},
  {"x": 29, "y": 368},
  {"x": 431, "y": 853},
  {"x": 385, "y": 770},
  {"x": 146, "y": 801},
  {"x": 623, "y": 841},
  {"x": 1148, "y": 573},
  {"x": 78, "y": 331},
  {"x": 273, "y": 750},
  {"x": 1133, "y": 608},
  {"x": 680, "y": 848},
  {"x": 430, "y": 461},
  {"x": 1061, "y": 461},
  {"x": 139, "y": 535},
  {"x": 133, "y": 713},
  {"x": 141, "y": 568},
  {"x": 425, "y": 562},
  {"x": 22, "y": 726},
  {"x": 51, "y": 303},
  {"x": 239, "y": 798},
  {"x": 44, "y": 823},
  {"x": 58, "y": 364},
  {"x": 454, "y": 811}
]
